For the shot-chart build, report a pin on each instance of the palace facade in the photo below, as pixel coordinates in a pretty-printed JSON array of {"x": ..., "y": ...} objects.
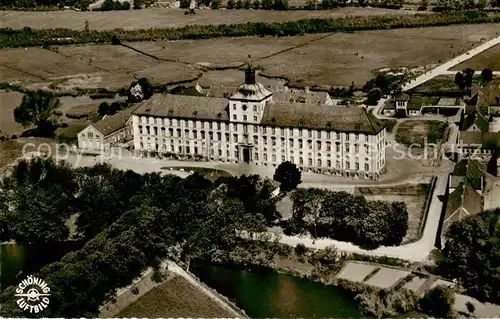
[{"x": 252, "y": 127}]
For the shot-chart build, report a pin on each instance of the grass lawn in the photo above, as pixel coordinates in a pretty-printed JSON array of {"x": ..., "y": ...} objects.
[
  {"x": 209, "y": 173},
  {"x": 489, "y": 59},
  {"x": 420, "y": 132},
  {"x": 175, "y": 298},
  {"x": 443, "y": 83},
  {"x": 13, "y": 149}
]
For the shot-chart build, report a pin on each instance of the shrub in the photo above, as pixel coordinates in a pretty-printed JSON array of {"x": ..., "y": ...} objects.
[
  {"x": 438, "y": 302},
  {"x": 125, "y": 5},
  {"x": 115, "y": 40},
  {"x": 300, "y": 249},
  {"x": 157, "y": 276}
]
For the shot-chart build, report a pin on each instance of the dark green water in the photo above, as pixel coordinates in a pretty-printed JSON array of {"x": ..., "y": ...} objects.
[
  {"x": 18, "y": 261},
  {"x": 269, "y": 294}
]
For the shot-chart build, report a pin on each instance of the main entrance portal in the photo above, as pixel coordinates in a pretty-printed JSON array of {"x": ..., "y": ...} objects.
[{"x": 246, "y": 155}]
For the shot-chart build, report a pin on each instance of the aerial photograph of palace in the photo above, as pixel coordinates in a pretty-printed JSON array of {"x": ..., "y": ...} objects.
[{"x": 238, "y": 158}]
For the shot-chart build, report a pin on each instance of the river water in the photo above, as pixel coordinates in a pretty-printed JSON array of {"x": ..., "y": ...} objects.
[
  {"x": 262, "y": 294},
  {"x": 267, "y": 294}
]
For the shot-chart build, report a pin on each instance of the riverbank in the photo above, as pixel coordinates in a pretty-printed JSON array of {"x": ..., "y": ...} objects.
[
  {"x": 323, "y": 266},
  {"x": 171, "y": 291}
]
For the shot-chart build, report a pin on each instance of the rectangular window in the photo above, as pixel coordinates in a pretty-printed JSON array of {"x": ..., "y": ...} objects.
[
  {"x": 282, "y": 158},
  {"x": 274, "y": 158},
  {"x": 255, "y": 118},
  {"x": 265, "y": 157},
  {"x": 282, "y": 132},
  {"x": 234, "y": 106},
  {"x": 244, "y": 117},
  {"x": 328, "y": 135},
  {"x": 235, "y": 117},
  {"x": 255, "y": 108},
  {"x": 310, "y": 162},
  {"x": 256, "y": 156},
  {"x": 218, "y": 125},
  {"x": 301, "y": 161},
  {"x": 255, "y": 129}
]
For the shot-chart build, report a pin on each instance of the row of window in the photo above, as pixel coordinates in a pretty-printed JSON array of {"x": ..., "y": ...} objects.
[
  {"x": 233, "y": 127},
  {"x": 244, "y": 107},
  {"x": 301, "y": 160}
]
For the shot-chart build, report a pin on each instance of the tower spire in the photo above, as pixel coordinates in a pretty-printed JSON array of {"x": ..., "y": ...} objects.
[{"x": 249, "y": 72}]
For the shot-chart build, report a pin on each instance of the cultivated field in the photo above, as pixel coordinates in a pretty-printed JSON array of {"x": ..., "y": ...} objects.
[
  {"x": 322, "y": 59},
  {"x": 488, "y": 59},
  {"x": 175, "y": 298},
  {"x": 169, "y": 18},
  {"x": 8, "y": 102}
]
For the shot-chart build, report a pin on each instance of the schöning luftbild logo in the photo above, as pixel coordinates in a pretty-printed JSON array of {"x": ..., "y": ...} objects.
[{"x": 33, "y": 293}]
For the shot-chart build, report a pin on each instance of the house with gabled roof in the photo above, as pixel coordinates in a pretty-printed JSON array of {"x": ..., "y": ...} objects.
[
  {"x": 111, "y": 130},
  {"x": 475, "y": 121},
  {"x": 465, "y": 189}
]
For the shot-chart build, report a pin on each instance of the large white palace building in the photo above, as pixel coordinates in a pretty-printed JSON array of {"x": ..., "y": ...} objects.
[
  {"x": 249, "y": 127},
  {"x": 253, "y": 127}
]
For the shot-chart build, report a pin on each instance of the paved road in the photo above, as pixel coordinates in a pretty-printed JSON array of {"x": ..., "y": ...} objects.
[
  {"x": 451, "y": 63},
  {"x": 414, "y": 252},
  {"x": 449, "y": 72}
]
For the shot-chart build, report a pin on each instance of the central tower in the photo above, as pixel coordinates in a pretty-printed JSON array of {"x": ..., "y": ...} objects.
[{"x": 247, "y": 104}]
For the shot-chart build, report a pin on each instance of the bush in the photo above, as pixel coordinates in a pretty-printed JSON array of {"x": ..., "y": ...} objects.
[
  {"x": 300, "y": 249},
  {"x": 115, "y": 40},
  {"x": 438, "y": 302},
  {"x": 157, "y": 276},
  {"x": 125, "y": 5}
]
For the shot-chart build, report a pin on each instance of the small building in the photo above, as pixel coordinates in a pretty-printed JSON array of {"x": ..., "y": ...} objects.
[
  {"x": 470, "y": 170},
  {"x": 463, "y": 201},
  {"x": 475, "y": 121},
  {"x": 478, "y": 145},
  {"x": 110, "y": 131},
  {"x": 401, "y": 102}
]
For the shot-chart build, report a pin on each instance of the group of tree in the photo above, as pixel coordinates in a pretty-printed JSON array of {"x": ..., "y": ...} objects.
[
  {"x": 463, "y": 79},
  {"x": 140, "y": 90},
  {"x": 256, "y": 4},
  {"x": 106, "y": 108},
  {"x": 381, "y": 85},
  {"x": 463, "y": 4},
  {"x": 472, "y": 255},
  {"x": 346, "y": 217},
  {"x": 110, "y": 5},
  {"x": 128, "y": 222},
  {"x": 39, "y": 109}
]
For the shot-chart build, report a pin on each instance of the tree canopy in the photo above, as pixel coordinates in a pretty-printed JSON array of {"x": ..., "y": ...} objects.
[
  {"x": 472, "y": 255},
  {"x": 346, "y": 217},
  {"x": 38, "y": 108},
  {"x": 288, "y": 174}
]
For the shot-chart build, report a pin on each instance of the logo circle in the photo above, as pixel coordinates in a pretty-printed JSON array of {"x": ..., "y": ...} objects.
[{"x": 33, "y": 294}]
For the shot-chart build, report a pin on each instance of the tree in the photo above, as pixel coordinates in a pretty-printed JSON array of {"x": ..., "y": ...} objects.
[
  {"x": 280, "y": 5},
  {"x": 230, "y": 4},
  {"x": 423, "y": 5},
  {"x": 487, "y": 75},
  {"x": 373, "y": 96},
  {"x": 256, "y": 4},
  {"x": 468, "y": 77},
  {"x": 107, "y": 5},
  {"x": 288, "y": 175},
  {"x": 460, "y": 81},
  {"x": 38, "y": 108},
  {"x": 267, "y": 4},
  {"x": 239, "y": 5},
  {"x": 140, "y": 90},
  {"x": 438, "y": 302},
  {"x": 184, "y": 4},
  {"x": 246, "y": 4},
  {"x": 125, "y": 5},
  {"x": 215, "y": 4},
  {"x": 471, "y": 255}
]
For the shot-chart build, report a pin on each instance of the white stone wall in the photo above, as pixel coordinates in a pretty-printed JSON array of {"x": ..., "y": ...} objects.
[
  {"x": 89, "y": 138},
  {"x": 217, "y": 140}
]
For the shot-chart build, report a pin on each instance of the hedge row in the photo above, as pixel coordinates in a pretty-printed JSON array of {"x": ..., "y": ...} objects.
[{"x": 10, "y": 38}]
